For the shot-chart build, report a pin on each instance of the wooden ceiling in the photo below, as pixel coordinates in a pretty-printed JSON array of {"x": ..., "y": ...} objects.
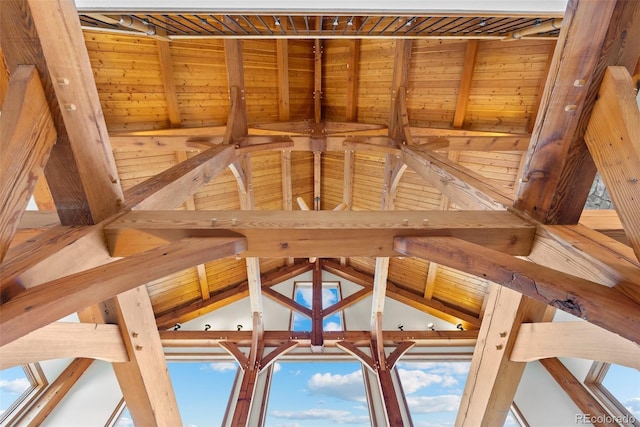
[{"x": 234, "y": 114}]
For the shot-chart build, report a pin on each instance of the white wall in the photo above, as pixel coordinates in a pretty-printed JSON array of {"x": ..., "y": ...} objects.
[{"x": 90, "y": 402}]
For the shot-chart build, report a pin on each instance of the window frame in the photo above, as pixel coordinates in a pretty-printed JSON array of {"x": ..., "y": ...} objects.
[
  {"x": 593, "y": 382},
  {"x": 338, "y": 286},
  {"x": 39, "y": 382}
]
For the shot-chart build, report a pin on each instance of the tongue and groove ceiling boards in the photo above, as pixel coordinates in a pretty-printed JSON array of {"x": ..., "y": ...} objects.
[{"x": 419, "y": 155}]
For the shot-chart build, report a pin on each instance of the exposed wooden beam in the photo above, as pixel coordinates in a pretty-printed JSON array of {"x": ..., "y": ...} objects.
[
  {"x": 62, "y": 40},
  {"x": 582, "y": 252},
  {"x": 431, "y": 306},
  {"x": 577, "y": 392},
  {"x": 236, "y": 353},
  {"x": 493, "y": 379},
  {"x": 287, "y": 189},
  {"x": 196, "y": 139},
  {"x": 201, "y": 307},
  {"x": 317, "y": 77},
  {"x": 237, "y": 123},
  {"x": 347, "y": 183},
  {"x": 573, "y": 339},
  {"x": 282, "y": 349},
  {"x": 168, "y": 82},
  {"x": 60, "y": 340},
  {"x": 326, "y": 233},
  {"x": 55, "y": 393},
  {"x": 366, "y": 360},
  {"x": 464, "y": 187},
  {"x": 559, "y": 170},
  {"x": 430, "y": 282},
  {"x": 347, "y": 301},
  {"x": 282, "y": 58},
  {"x": 211, "y": 338},
  {"x": 27, "y": 137},
  {"x": 317, "y": 343},
  {"x": 287, "y": 302},
  {"x": 600, "y": 305},
  {"x": 46, "y": 303},
  {"x": 613, "y": 139},
  {"x": 172, "y": 187},
  {"x": 227, "y": 296},
  {"x": 64, "y": 68},
  {"x": 398, "y": 352},
  {"x": 144, "y": 380},
  {"x": 317, "y": 180},
  {"x": 464, "y": 89},
  {"x": 352, "y": 80},
  {"x": 605, "y": 221}
]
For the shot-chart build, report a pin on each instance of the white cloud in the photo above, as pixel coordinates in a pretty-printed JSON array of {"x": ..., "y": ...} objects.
[
  {"x": 222, "y": 366},
  {"x": 633, "y": 406},
  {"x": 328, "y": 297},
  {"x": 347, "y": 387},
  {"x": 277, "y": 367},
  {"x": 332, "y": 415},
  {"x": 430, "y": 424},
  {"x": 444, "y": 368},
  {"x": 414, "y": 379},
  {"x": 332, "y": 326},
  {"x": 288, "y": 425},
  {"x": 17, "y": 386},
  {"x": 429, "y": 404},
  {"x": 124, "y": 422}
]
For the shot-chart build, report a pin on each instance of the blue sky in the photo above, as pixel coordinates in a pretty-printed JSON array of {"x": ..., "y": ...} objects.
[{"x": 313, "y": 394}]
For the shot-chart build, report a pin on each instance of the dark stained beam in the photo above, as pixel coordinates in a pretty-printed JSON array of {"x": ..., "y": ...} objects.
[{"x": 606, "y": 307}]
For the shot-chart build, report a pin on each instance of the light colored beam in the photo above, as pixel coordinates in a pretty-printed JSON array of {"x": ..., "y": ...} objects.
[
  {"x": 325, "y": 234},
  {"x": 28, "y": 134},
  {"x": 48, "y": 302},
  {"x": 493, "y": 379},
  {"x": 168, "y": 81},
  {"x": 613, "y": 138},
  {"x": 282, "y": 58},
  {"x": 462, "y": 186},
  {"x": 582, "y": 340},
  {"x": 464, "y": 89},
  {"x": 61, "y": 340}
]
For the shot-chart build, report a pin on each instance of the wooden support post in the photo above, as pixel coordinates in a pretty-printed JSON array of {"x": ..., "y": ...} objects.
[
  {"x": 28, "y": 134},
  {"x": 282, "y": 58},
  {"x": 168, "y": 82},
  {"x": 464, "y": 90},
  {"x": 317, "y": 344},
  {"x": 493, "y": 379},
  {"x": 237, "y": 123},
  {"x": 317, "y": 78},
  {"x": 613, "y": 138},
  {"x": 287, "y": 191}
]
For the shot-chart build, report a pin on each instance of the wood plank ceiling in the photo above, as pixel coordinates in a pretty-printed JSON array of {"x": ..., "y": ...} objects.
[{"x": 468, "y": 92}]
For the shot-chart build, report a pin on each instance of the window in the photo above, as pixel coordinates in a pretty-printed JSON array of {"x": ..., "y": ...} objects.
[
  {"x": 19, "y": 386},
  {"x": 618, "y": 388},
  {"x": 331, "y": 294},
  {"x": 317, "y": 394},
  {"x": 433, "y": 389}
]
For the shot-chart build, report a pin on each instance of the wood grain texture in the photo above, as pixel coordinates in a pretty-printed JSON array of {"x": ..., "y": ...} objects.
[
  {"x": 606, "y": 307},
  {"x": 28, "y": 135},
  {"x": 613, "y": 138},
  {"x": 43, "y": 304},
  {"x": 319, "y": 233}
]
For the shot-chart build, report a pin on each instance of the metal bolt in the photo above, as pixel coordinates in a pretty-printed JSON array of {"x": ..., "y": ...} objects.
[
  {"x": 138, "y": 347},
  {"x": 63, "y": 81},
  {"x": 134, "y": 334},
  {"x": 571, "y": 107},
  {"x": 70, "y": 107}
]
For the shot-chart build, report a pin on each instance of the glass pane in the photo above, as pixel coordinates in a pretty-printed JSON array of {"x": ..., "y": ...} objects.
[
  {"x": 624, "y": 384},
  {"x": 433, "y": 390},
  {"x": 14, "y": 383},
  {"x": 303, "y": 296},
  {"x": 202, "y": 390},
  {"x": 124, "y": 420},
  {"x": 317, "y": 394}
]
